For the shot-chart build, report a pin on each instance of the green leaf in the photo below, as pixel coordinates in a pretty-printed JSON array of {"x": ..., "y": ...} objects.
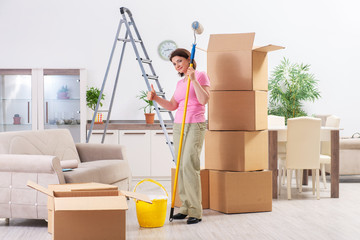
[
  {"x": 290, "y": 85},
  {"x": 92, "y": 97},
  {"x": 149, "y": 107}
]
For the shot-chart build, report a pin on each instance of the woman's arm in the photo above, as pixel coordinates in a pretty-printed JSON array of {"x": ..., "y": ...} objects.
[
  {"x": 169, "y": 105},
  {"x": 202, "y": 92}
]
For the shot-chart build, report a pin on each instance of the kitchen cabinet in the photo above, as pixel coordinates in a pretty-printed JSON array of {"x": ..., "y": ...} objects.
[
  {"x": 148, "y": 153},
  {"x": 161, "y": 158},
  {"x": 137, "y": 143},
  {"x": 112, "y": 136},
  {"x": 38, "y": 99}
]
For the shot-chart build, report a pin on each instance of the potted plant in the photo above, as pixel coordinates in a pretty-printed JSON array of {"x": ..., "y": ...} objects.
[
  {"x": 148, "y": 108},
  {"x": 289, "y": 86},
  {"x": 92, "y": 97}
]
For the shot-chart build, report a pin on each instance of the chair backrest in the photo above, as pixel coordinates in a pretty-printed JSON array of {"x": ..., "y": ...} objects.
[
  {"x": 331, "y": 121},
  {"x": 276, "y": 121},
  {"x": 303, "y": 143}
]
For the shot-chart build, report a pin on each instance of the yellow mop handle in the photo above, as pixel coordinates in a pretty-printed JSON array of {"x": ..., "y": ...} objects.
[{"x": 180, "y": 146}]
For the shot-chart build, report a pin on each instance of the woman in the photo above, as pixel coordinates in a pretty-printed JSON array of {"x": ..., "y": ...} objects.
[{"x": 194, "y": 132}]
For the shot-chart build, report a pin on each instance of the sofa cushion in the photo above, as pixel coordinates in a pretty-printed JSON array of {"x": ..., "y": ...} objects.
[
  {"x": 102, "y": 171},
  {"x": 54, "y": 142}
]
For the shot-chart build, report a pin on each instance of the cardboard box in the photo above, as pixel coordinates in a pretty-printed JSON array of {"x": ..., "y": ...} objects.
[
  {"x": 238, "y": 110},
  {"x": 236, "y": 150},
  {"x": 235, "y": 64},
  {"x": 240, "y": 192},
  {"x": 90, "y": 189},
  {"x": 90, "y": 214},
  {"x": 204, "y": 175}
]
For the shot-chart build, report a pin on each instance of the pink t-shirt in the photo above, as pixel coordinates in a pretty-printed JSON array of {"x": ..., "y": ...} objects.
[{"x": 195, "y": 111}]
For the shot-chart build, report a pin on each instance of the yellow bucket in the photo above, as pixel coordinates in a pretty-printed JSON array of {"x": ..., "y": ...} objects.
[{"x": 151, "y": 215}]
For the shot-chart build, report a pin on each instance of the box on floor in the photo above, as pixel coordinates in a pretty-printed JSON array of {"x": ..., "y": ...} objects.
[
  {"x": 87, "y": 211},
  {"x": 235, "y": 64},
  {"x": 236, "y": 150},
  {"x": 92, "y": 188},
  {"x": 237, "y": 110},
  {"x": 240, "y": 192},
  {"x": 204, "y": 176}
]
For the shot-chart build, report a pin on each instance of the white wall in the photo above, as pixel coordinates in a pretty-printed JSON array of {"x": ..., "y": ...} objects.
[{"x": 79, "y": 34}]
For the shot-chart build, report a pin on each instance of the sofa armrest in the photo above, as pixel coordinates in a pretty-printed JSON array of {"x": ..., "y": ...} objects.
[
  {"x": 31, "y": 164},
  {"x": 92, "y": 152}
]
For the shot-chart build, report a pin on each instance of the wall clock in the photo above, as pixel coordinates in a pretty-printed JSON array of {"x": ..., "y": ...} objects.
[{"x": 165, "y": 49}]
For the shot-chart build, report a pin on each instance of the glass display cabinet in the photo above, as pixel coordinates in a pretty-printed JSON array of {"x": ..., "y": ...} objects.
[
  {"x": 36, "y": 99},
  {"x": 15, "y": 100}
]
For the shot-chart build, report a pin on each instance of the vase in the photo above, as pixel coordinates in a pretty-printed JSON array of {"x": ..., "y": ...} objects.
[{"x": 99, "y": 118}]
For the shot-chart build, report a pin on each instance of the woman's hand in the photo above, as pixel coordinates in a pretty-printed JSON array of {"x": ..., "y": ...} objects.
[
  {"x": 151, "y": 95},
  {"x": 191, "y": 73}
]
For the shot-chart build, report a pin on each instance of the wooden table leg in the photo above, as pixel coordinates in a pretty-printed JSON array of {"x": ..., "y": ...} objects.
[
  {"x": 273, "y": 161},
  {"x": 335, "y": 163}
]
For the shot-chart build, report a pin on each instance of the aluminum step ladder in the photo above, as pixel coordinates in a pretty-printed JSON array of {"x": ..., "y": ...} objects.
[{"x": 132, "y": 36}]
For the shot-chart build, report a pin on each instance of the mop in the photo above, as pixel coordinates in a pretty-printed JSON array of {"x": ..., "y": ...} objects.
[{"x": 198, "y": 29}]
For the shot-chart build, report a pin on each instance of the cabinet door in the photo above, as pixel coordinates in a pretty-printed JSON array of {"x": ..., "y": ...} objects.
[
  {"x": 111, "y": 137},
  {"x": 161, "y": 158},
  {"x": 137, "y": 143},
  {"x": 16, "y": 99},
  {"x": 62, "y": 100}
]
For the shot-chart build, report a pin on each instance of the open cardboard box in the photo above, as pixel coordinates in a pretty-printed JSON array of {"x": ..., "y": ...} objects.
[
  {"x": 89, "y": 189},
  {"x": 87, "y": 211},
  {"x": 233, "y": 62}
]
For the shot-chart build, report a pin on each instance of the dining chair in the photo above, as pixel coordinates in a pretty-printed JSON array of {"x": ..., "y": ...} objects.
[
  {"x": 302, "y": 150},
  {"x": 331, "y": 121}
]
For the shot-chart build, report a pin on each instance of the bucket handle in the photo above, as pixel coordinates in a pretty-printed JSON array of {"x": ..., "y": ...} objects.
[{"x": 153, "y": 181}]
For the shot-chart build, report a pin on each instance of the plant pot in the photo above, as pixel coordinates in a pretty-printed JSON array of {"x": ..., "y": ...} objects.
[{"x": 149, "y": 117}]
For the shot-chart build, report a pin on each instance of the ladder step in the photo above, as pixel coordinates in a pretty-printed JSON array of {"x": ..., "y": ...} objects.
[
  {"x": 161, "y": 94},
  {"x": 103, "y": 110},
  {"x": 152, "y": 77},
  {"x": 148, "y": 61},
  {"x": 129, "y": 40},
  {"x": 163, "y": 110}
]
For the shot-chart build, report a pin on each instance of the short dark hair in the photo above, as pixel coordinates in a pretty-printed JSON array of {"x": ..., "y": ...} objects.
[{"x": 182, "y": 52}]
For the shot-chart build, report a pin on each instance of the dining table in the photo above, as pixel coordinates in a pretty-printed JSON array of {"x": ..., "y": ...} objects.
[{"x": 279, "y": 134}]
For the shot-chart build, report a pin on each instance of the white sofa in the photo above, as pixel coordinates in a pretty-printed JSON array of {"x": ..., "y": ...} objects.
[
  {"x": 36, "y": 156},
  {"x": 350, "y": 156}
]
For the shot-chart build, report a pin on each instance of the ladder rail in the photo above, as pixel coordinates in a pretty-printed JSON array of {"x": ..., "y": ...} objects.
[
  {"x": 150, "y": 65},
  {"x": 114, "y": 89},
  {"x": 104, "y": 81}
]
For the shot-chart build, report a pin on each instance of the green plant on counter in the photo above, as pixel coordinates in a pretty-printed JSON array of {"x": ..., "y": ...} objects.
[
  {"x": 149, "y": 103},
  {"x": 289, "y": 86},
  {"x": 92, "y": 97}
]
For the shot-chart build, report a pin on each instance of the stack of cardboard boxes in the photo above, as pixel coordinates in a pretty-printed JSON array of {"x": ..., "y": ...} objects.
[
  {"x": 236, "y": 145},
  {"x": 235, "y": 179}
]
